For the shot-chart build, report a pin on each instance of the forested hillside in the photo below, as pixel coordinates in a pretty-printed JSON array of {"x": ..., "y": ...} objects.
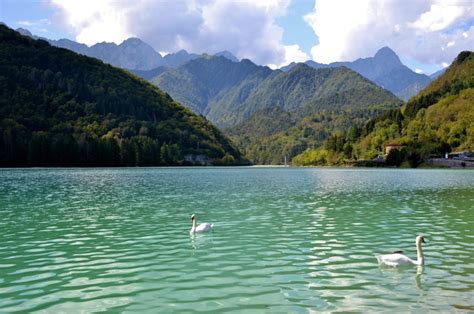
[
  {"x": 317, "y": 89},
  {"x": 296, "y": 110},
  {"x": 58, "y": 108},
  {"x": 439, "y": 119},
  {"x": 273, "y": 134}
]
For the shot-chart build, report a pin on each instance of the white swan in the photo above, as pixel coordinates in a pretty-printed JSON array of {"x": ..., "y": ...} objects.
[
  {"x": 396, "y": 258},
  {"x": 204, "y": 227}
]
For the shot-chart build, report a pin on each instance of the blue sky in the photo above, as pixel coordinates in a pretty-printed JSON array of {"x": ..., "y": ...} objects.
[
  {"x": 426, "y": 34},
  {"x": 17, "y": 13},
  {"x": 295, "y": 29}
]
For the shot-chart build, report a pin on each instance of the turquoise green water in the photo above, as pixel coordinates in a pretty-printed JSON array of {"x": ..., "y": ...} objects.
[{"x": 285, "y": 240}]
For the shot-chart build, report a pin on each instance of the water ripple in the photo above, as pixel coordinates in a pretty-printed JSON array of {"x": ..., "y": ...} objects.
[{"x": 285, "y": 240}]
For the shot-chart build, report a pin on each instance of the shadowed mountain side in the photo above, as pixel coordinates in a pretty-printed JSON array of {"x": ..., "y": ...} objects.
[
  {"x": 201, "y": 82},
  {"x": 149, "y": 74},
  {"x": 58, "y": 108}
]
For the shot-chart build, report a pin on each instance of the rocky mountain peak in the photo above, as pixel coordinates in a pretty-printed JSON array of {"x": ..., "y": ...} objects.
[{"x": 387, "y": 54}]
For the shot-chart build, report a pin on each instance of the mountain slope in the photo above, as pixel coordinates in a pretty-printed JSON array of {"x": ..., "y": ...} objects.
[
  {"x": 200, "y": 82},
  {"x": 228, "y": 55},
  {"x": 173, "y": 60},
  {"x": 435, "y": 75},
  {"x": 58, "y": 108},
  {"x": 150, "y": 74},
  {"x": 458, "y": 76},
  {"x": 321, "y": 88},
  {"x": 385, "y": 69},
  {"x": 438, "y": 120}
]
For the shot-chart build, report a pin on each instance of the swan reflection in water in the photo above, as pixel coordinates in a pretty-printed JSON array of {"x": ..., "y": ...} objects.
[
  {"x": 419, "y": 271},
  {"x": 401, "y": 275},
  {"x": 200, "y": 241}
]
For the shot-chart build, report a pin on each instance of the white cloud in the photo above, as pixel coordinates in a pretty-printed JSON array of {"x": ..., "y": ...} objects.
[
  {"x": 247, "y": 28},
  {"x": 423, "y": 30},
  {"x": 25, "y": 23},
  {"x": 419, "y": 71},
  {"x": 334, "y": 29},
  {"x": 293, "y": 53},
  {"x": 439, "y": 17},
  {"x": 95, "y": 21},
  {"x": 40, "y": 22}
]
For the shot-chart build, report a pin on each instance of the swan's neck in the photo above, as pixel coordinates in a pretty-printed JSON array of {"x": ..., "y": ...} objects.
[
  {"x": 420, "y": 259},
  {"x": 194, "y": 225}
]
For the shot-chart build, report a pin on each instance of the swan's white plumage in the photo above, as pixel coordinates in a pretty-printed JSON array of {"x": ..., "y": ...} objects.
[
  {"x": 398, "y": 259},
  {"x": 395, "y": 259},
  {"x": 204, "y": 227}
]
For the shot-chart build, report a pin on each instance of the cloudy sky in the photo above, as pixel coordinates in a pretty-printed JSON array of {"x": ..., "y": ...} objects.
[{"x": 426, "y": 34}]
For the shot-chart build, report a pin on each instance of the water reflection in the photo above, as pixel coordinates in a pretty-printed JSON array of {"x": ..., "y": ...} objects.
[
  {"x": 201, "y": 240},
  {"x": 419, "y": 271}
]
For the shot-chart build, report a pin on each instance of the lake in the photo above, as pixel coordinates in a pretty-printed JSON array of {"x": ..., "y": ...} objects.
[{"x": 285, "y": 239}]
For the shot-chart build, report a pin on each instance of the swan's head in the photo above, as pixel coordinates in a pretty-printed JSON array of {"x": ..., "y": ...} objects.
[
  {"x": 420, "y": 239},
  {"x": 192, "y": 217}
]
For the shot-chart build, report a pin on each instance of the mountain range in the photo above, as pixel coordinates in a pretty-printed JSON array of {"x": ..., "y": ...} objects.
[
  {"x": 229, "y": 92},
  {"x": 131, "y": 54},
  {"x": 385, "y": 69}
]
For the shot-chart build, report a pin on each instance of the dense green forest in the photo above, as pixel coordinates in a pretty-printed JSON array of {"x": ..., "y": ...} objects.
[
  {"x": 58, "y": 108},
  {"x": 303, "y": 107},
  {"x": 439, "y": 119},
  {"x": 271, "y": 135}
]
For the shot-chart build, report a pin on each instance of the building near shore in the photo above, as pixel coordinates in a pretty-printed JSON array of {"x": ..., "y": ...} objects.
[{"x": 392, "y": 146}]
